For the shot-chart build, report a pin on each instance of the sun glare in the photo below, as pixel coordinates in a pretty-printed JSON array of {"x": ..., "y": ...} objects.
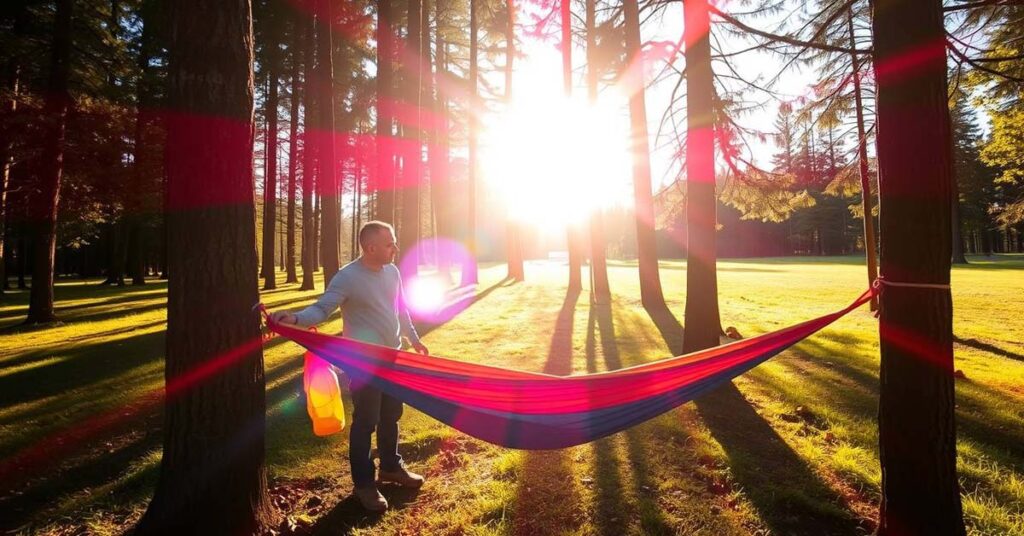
[{"x": 553, "y": 161}]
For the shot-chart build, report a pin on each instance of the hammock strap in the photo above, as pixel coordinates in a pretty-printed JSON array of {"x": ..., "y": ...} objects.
[{"x": 880, "y": 281}]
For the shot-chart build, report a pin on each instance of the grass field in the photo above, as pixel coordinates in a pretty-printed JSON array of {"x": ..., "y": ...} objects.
[{"x": 790, "y": 448}]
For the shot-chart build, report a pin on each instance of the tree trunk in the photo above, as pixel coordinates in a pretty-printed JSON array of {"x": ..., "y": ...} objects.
[
  {"x": 862, "y": 161},
  {"x": 514, "y": 245},
  {"x": 12, "y": 78},
  {"x": 703, "y": 325},
  {"x": 574, "y": 237},
  {"x": 470, "y": 274},
  {"x": 143, "y": 119},
  {"x": 327, "y": 162},
  {"x": 293, "y": 147},
  {"x": 600, "y": 288},
  {"x": 309, "y": 148},
  {"x": 317, "y": 202},
  {"x": 42, "y": 221},
  {"x": 270, "y": 178},
  {"x": 142, "y": 154},
  {"x": 385, "y": 175},
  {"x": 22, "y": 260},
  {"x": 440, "y": 186},
  {"x": 917, "y": 434},
  {"x": 428, "y": 100},
  {"x": 647, "y": 255},
  {"x": 212, "y": 477},
  {"x": 409, "y": 230}
]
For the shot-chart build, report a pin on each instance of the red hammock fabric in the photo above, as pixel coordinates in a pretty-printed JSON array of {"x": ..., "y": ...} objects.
[{"x": 539, "y": 411}]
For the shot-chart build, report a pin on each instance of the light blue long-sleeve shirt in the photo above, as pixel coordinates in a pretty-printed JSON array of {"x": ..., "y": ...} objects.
[{"x": 373, "y": 309}]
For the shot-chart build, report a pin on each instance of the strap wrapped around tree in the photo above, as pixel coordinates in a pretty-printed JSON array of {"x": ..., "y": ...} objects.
[{"x": 528, "y": 410}]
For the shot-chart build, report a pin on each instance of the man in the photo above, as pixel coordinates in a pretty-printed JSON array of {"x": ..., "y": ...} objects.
[{"x": 369, "y": 292}]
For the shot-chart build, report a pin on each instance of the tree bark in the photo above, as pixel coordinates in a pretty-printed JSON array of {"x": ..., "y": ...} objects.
[
  {"x": 385, "y": 175},
  {"x": 293, "y": 147},
  {"x": 12, "y": 78},
  {"x": 270, "y": 180},
  {"x": 136, "y": 261},
  {"x": 514, "y": 246},
  {"x": 600, "y": 288},
  {"x": 703, "y": 324},
  {"x": 917, "y": 433},
  {"x": 651, "y": 294},
  {"x": 309, "y": 148},
  {"x": 862, "y": 161},
  {"x": 470, "y": 275},
  {"x": 574, "y": 237},
  {"x": 327, "y": 162},
  {"x": 212, "y": 477},
  {"x": 42, "y": 220},
  {"x": 409, "y": 230},
  {"x": 428, "y": 100},
  {"x": 440, "y": 187}
]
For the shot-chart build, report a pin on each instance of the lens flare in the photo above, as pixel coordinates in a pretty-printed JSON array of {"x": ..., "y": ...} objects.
[{"x": 425, "y": 294}]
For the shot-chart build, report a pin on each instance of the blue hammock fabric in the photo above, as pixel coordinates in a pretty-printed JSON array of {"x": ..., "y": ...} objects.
[{"x": 526, "y": 410}]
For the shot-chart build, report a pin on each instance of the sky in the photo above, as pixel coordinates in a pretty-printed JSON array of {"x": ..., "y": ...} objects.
[{"x": 538, "y": 82}]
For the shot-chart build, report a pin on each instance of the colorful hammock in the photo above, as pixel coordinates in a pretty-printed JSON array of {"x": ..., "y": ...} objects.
[{"x": 528, "y": 410}]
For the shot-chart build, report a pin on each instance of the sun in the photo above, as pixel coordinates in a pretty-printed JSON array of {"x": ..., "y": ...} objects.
[{"x": 553, "y": 161}]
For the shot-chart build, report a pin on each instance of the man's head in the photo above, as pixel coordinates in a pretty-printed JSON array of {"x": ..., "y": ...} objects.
[{"x": 377, "y": 240}]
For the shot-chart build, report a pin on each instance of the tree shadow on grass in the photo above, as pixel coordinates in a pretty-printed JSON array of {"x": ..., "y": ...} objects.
[
  {"x": 990, "y": 348},
  {"x": 547, "y": 495},
  {"x": 789, "y": 497},
  {"x": 112, "y": 456},
  {"x": 608, "y": 479},
  {"x": 996, "y": 433}
]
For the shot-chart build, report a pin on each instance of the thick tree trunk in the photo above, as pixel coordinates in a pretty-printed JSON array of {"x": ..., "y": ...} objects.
[
  {"x": 293, "y": 148},
  {"x": 385, "y": 175},
  {"x": 917, "y": 433},
  {"x": 651, "y": 294},
  {"x": 42, "y": 221},
  {"x": 703, "y": 325},
  {"x": 327, "y": 162},
  {"x": 409, "y": 230},
  {"x": 470, "y": 274},
  {"x": 212, "y": 477},
  {"x": 600, "y": 288},
  {"x": 270, "y": 178}
]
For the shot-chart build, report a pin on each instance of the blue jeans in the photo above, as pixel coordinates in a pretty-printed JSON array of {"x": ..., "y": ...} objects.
[{"x": 373, "y": 410}]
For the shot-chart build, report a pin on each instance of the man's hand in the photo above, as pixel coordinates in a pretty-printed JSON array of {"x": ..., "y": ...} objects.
[
  {"x": 419, "y": 347},
  {"x": 283, "y": 317}
]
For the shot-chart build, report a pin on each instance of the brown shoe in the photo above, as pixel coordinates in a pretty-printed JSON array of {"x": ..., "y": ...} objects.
[
  {"x": 371, "y": 499},
  {"x": 403, "y": 477}
]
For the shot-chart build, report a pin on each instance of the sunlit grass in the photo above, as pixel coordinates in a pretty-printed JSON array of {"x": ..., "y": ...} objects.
[{"x": 793, "y": 450}]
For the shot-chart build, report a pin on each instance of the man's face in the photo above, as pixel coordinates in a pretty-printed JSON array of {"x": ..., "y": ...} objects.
[{"x": 383, "y": 247}]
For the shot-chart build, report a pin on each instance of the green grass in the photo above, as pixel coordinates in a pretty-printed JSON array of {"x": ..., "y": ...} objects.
[{"x": 791, "y": 449}]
